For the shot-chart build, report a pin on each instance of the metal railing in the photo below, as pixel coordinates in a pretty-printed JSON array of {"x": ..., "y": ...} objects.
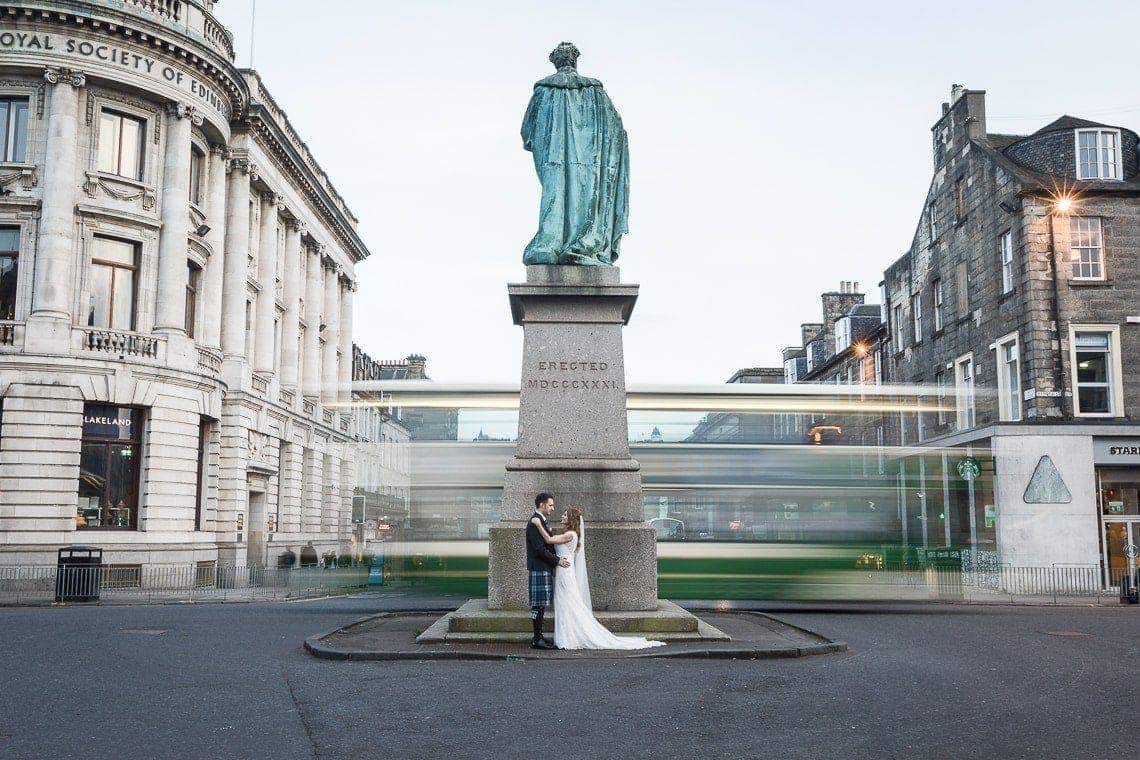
[{"x": 134, "y": 584}]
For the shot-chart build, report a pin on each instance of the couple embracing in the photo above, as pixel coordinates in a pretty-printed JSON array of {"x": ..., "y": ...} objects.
[{"x": 557, "y": 569}]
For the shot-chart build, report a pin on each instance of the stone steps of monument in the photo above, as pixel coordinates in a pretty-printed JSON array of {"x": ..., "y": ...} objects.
[{"x": 616, "y": 622}]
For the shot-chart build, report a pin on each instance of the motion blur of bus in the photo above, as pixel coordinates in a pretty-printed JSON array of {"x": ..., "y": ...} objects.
[{"x": 775, "y": 493}]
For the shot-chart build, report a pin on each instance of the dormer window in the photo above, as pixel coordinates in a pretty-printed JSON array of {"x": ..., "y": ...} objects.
[{"x": 1098, "y": 154}]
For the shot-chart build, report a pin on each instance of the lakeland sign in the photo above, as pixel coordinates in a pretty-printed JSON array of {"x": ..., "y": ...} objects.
[{"x": 77, "y": 49}]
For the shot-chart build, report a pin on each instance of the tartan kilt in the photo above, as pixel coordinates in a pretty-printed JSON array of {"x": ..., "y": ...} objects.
[{"x": 541, "y": 588}]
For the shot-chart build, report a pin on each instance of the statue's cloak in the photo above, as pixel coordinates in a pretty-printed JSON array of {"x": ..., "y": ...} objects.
[{"x": 581, "y": 155}]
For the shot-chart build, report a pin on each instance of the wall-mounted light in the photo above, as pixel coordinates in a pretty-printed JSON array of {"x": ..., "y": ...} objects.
[
  {"x": 1063, "y": 205},
  {"x": 201, "y": 230}
]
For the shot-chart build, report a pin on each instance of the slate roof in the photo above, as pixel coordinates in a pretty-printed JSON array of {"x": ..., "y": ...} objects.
[{"x": 1069, "y": 122}]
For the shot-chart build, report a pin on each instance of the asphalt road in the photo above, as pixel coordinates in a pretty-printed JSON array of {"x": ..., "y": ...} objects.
[{"x": 222, "y": 681}]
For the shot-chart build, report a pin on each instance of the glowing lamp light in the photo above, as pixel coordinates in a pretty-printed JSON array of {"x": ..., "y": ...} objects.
[
  {"x": 861, "y": 349},
  {"x": 1063, "y": 205}
]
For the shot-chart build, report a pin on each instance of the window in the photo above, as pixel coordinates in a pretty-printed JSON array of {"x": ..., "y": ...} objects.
[
  {"x": 193, "y": 277},
  {"x": 204, "y": 427},
  {"x": 1098, "y": 154},
  {"x": 1006, "y": 246},
  {"x": 896, "y": 328},
  {"x": 9, "y": 270},
  {"x": 1087, "y": 246},
  {"x": 249, "y": 334},
  {"x": 962, "y": 277},
  {"x": 197, "y": 165},
  {"x": 936, "y": 296},
  {"x": 964, "y": 372},
  {"x": 842, "y": 334},
  {"x": 121, "y": 144},
  {"x": 1096, "y": 369},
  {"x": 960, "y": 198},
  {"x": 112, "y": 287},
  {"x": 916, "y": 316},
  {"x": 13, "y": 129},
  {"x": 1009, "y": 378},
  {"x": 932, "y": 222},
  {"x": 940, "y": 384},
  {"x": 110, "y": 452}
]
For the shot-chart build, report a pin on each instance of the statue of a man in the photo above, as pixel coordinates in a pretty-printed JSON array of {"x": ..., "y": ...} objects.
[{"x": 581, "y": 155}]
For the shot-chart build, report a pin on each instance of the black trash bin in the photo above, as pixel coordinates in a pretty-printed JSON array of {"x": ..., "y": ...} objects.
[
  {"x": 1130, "y": 588},
  {"x": 79, "y": 574}
]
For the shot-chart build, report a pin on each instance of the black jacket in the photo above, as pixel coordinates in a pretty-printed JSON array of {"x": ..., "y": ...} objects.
[{"x": 539, "y": 554}]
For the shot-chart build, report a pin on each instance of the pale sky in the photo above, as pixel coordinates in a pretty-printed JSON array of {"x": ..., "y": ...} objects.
[{"x": 776, "y": 148}]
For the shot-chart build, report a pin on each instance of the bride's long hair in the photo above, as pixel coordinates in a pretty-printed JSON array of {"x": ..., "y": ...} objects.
[{"x": 574, "y": 523}]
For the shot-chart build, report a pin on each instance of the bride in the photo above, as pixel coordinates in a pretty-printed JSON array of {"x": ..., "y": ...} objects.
[{"x": 575, "y": 626}]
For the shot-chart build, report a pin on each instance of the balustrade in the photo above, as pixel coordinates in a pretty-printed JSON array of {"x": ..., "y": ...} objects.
[
  {"x": 260, "y": 384},
  {"x": 287, "y": 397},
  {"x": 309, "y": 408},
  {"x": 8, "y": 333},
  {"x": 195, "y": 17},
  {"x": 209, "y": 360},
  {"x": 121, "y": 343}
]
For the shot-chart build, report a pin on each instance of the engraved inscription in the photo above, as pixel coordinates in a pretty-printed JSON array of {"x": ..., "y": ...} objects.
[{"x": 571, "y": 375}]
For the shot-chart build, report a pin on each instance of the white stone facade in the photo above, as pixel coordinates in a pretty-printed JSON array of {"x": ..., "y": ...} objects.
[{"x": 229, "y": 332}]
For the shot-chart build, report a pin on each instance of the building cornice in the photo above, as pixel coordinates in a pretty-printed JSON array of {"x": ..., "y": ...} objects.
[{"x": 139, "y": 27}]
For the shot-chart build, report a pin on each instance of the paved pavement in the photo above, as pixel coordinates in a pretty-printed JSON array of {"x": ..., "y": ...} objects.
[{"x": 220, "y": 681}]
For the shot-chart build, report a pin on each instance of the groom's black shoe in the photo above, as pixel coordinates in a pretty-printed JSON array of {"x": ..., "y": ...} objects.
[
  {"x": 541, "y": 643},
  {"x": 549, "y": 644}
]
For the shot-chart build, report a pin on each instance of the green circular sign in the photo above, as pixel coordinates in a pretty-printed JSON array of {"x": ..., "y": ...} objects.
[{"x": 968, "y": 468}]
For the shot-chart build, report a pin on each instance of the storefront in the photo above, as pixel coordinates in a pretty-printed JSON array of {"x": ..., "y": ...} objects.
[
  {"x": 109, "y": 468},
  {"x": 1118, "y": 495}
]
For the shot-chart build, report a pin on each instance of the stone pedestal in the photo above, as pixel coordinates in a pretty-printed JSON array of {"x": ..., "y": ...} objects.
[{"x": 573, "y": 437}]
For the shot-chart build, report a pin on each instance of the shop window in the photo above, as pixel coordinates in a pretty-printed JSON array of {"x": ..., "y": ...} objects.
[
  {"x": 9, "y": 270},
  {"x": 205, "y": 427},
  {"x": 13, "y": 129},
  {"x": 110, "y": 456},
  {"x": 1096, "y": 370},
  {"x": 112, "y": 287},
  {"x": 121, "y": 144},
  {"x": 1009, "y": 377}
]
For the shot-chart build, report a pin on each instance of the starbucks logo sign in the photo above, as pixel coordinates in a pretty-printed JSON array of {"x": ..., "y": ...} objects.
[{"x": 968, "y": 469}]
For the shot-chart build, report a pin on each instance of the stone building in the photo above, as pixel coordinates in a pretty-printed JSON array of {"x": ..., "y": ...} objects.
[
  {"x": 382, "y": 492},
  {"x": 176, "y": 284},
  {"x": 1018, "y": 302}
]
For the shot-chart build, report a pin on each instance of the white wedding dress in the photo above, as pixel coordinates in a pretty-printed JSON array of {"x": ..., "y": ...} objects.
[{"x": 575, "y": 626}]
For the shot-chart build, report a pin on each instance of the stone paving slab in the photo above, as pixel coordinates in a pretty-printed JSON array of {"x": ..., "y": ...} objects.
[{"x": 391, "y": 636}]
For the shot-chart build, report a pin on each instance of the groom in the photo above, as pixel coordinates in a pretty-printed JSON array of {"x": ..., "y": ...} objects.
[{"x": 541, "y": 562}]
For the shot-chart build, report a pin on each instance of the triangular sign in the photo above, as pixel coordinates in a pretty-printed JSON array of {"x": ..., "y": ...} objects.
[{"x": 1047, "y": 486}]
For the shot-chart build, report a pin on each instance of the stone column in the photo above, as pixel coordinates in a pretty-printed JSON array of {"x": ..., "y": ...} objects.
[
  {"x": 291, "y": 294},
  {"x": 170, "y": 306},
  {"x": 211, "y": 298},
  {"x": 329, "y": 378},
  {"x": 345, "y": 327},
  {"x": 264, "y": 354},
  {"x": 314, "y": 290},
  {"x": 53, "y": 291},
  {"x": 234, "y": 286}
]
